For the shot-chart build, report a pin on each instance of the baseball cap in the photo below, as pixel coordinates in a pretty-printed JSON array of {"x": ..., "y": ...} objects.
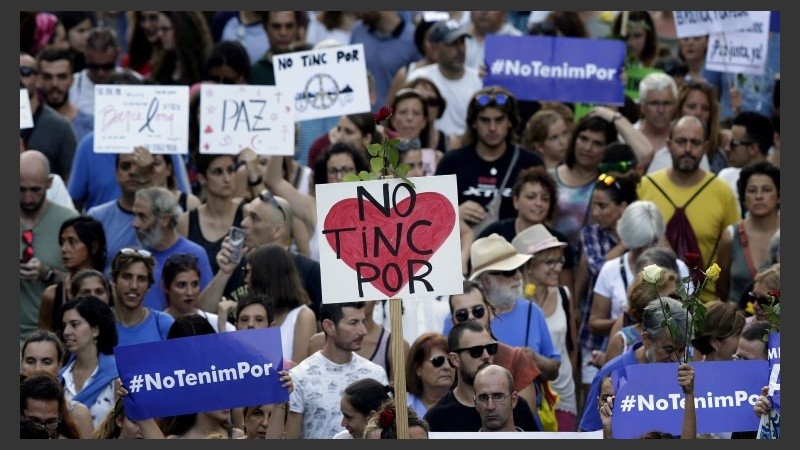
[{"x": 447, "y": 31}]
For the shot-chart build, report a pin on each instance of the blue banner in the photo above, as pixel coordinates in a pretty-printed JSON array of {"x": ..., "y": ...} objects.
[
  {"x": 774, "y": 357},
  {"x": 556, "y": 68},
  {"x": 202, "y": 373},
  {"x": 651, "y": 399}
]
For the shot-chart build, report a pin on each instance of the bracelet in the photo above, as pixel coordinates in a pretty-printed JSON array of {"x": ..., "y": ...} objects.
[{"x": 255, "y": 182}]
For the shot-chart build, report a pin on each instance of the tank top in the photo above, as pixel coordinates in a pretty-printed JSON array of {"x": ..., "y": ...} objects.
[
  {"x": 212, "y": 248},
  {"x": 381, "y": 354},
  {"x": 287, "y": 332}
]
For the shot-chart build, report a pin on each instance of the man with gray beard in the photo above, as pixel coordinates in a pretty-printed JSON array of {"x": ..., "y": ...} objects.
[
  {"x": 520, "y": 322},
  {"x": 156, "y": 212}
]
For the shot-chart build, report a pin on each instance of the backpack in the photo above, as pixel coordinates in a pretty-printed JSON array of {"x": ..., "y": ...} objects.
[{"x": 679, "y": 232}]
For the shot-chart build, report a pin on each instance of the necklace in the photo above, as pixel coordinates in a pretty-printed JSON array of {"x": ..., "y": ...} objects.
[{"x": 140, "y": 319}]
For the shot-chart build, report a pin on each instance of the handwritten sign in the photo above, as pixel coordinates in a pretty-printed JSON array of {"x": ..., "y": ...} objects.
[
  {"x": 700, "y": 23},
  {"x": 743, "y": 51},
  {"x": 326, "y": 82},
  {"x": 201, "y": 373},
  {"x": 25, "y": 116},
  {"x": 155, "y": 117},
  {"x": 233, "y": 117},
  {"x": 384, "y": 239}
]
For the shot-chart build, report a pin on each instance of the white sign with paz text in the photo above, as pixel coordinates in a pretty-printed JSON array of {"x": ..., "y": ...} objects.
[
  {"x": 386, "y": 239},
  {"x": 327, "y": 82},
  {"x": 236, "y": 116},
  {"x": 128, "y": 116}
]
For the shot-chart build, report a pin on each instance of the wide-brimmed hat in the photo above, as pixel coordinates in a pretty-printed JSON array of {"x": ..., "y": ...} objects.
[
  {"x": 494, "y": 253},
  {"x": 534, "y": 239}
]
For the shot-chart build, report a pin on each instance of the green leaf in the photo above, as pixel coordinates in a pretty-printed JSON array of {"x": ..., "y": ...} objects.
[
  {"x": 410, "y": 183},
  {"x": 393, "y": 155},
  {"x": 402, "y": 170},
  {"x": 372, "y": 176},
  {"x": 363, "y": 175},
  {"x": 374, "y": 149},
  {"x": 393, "y": 142},
  {"x": 351, "y": 177},
  {"x": 376, "y": 164},
  {"x": 681, "y": 289}
]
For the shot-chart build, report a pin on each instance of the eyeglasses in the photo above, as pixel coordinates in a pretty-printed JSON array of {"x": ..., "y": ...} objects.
[
  {"x": 681, "y": 142},
  {"x": 268, "y": 197},
  {"x": 25, "y": 71},
  {"x": 334, "y": 171},
  {"x": 496, "y": 397},
  {"x": 182, "y": 258},
  {"x": 477, "y": 351},
  {"x": 437, "y": 361},
  {"x": 462, "y": 315},
  {"x": 735, "y": 143},
  {"x": 107, "y": 67},
  {"x": 551, "y": 263},
  {"x": 618, "y": 166},
  {"x": 27, "y": 239},
  {"x": 608, "y": 180},
  {"x": 655, "y": 104},
  {"x": 51, "y": 424},
  {"x": 486, "y": 99},
  {"x": 142, "y": 253},
  {"x": 506, "y": 273}
]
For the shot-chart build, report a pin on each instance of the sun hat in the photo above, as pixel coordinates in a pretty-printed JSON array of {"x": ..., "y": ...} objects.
[
  {"x": 534, "y": 239},
  {"x": 494, "y": 253}
]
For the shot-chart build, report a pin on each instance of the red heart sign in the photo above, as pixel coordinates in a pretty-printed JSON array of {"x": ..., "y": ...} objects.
[
  {"x": 386, "y": 250},
  {"x": 208, "y": 129}
]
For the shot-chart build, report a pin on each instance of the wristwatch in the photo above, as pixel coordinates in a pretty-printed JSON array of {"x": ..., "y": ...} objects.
[
  {"x": 255, "y": 182},
  {"x": 51, "y": 276}
]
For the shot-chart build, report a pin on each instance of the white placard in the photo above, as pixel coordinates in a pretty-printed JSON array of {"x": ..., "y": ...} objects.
[
  {"x": 700, "y": 23},
  {"x": 741, "y": 52},
  {"x": 127, "y": 116},
  {"x": 384, "y": 239},
  {"x": 25, "y": 116},
  {"x": 324, "y": 83},
  {"x": 511, "y": 435},
  {"x": 235, "y": 116}
]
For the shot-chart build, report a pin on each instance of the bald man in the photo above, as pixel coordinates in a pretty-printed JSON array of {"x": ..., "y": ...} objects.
[
  {"x": 40, "y": 220},
  {"x": 495, "y": 398}
]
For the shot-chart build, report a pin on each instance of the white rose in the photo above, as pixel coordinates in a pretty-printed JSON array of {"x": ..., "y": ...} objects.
[{"x": 652, "y": 273}]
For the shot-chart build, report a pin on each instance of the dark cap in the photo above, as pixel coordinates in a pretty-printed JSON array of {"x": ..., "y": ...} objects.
[{"x": 447, "y": 31}]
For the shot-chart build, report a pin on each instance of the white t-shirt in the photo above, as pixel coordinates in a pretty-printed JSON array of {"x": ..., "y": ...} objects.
[{"x": 318, "y": 387}]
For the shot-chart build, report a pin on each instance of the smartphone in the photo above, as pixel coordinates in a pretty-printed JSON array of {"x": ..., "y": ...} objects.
[{"x": 236, "y": 236}]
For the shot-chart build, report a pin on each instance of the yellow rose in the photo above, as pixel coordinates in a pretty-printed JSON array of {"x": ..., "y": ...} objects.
[
  {"x": 712, "y": 273},
  {"x": 530, "y": 290},
  {"x": 750, "y": 309},
  {"x": 652, "y": 274}
]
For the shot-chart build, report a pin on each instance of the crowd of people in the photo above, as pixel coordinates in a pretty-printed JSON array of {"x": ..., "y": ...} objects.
[{"x": 560, "y": 208}]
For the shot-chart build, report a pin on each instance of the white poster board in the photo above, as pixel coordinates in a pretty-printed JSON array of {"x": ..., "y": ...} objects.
[
  {"x": 327, "y": 82},
  {"x": 700, "y": 23},
  {"x": 25, "y": 116},
  {"x": 127, "y": 116},
  {"x": 384, "y": 239},
  {"x": 235, "y": 116},
  {"x": 742, "y": 51}
]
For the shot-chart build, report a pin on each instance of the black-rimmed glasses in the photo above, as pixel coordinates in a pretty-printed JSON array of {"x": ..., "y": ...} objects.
[{"x": 51, "y": 424}]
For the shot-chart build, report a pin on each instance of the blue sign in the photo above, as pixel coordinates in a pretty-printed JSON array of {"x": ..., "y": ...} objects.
[
  {"x": 202, "y": 373},
  {"x": 651, "y": 399},
  {"x": 557, "y": 68},
  {"x": 774, "y": 357}
]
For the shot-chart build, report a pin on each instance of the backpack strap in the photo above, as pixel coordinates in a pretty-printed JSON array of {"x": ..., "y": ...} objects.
[
  {"x": 661, "y": 190},
  {"x": 746, "y": 249},
  {"x": 565, "y": 304},
  {"x": 699, "y": 190}
]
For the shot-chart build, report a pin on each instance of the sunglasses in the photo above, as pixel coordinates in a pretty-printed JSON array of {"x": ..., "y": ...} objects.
[
  {"x": 136, "y": 252},
  {"x": 462, "y": 315},
  {"x": 437, "y": 361},
  {"x": 477, "y": 350},
  {"x": 27, "y": 239},
  {"x": 26, "y": 71},
  {"x": 486, "y": 99},
  {"x": 506, "y": 273},
  {"x": 107, "y": 67},
  {"x": 269, "y": 197}
]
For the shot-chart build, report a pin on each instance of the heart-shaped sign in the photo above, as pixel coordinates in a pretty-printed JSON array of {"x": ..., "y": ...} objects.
[{"x": 388, "y": 250}]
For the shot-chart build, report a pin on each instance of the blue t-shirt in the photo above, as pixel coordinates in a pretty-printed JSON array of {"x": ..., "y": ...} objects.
[
  {"x": 591, "y": 416},
  {"x": 153, "y": 329},
  {"x": 155, "y": 297},
  {"x": 510, "y": 329},
  {"x": 118, "y": 226}
]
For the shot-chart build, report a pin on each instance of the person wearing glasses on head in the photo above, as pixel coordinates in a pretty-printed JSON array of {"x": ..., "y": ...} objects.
[
  {"x": 429, "y": 376},
  {"x": 496, "y": 267},
  {"x": 41, "y": 401},
  {"x": 473, "y": 305},
  {"x": 495, "y": 398},
  {"x": 132, "y": 276},
  {"x": 471, "y": 347}
]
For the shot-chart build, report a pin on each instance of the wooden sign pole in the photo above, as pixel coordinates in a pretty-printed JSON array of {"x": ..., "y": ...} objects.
[{"x": 399, "y": 368}]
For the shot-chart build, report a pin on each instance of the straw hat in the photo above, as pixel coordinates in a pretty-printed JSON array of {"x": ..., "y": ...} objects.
[
  {"x": 494, "y": 253},
  {"x": 534, "y": 239}
]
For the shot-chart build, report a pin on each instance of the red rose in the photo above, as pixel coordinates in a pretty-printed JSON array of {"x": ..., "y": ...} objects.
[
  {"x": 774, "y": 294},
  {"x": 386, "y": 418},
  {"x": 383, "y": 114},
  {"x": 693, "y": 260}
]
